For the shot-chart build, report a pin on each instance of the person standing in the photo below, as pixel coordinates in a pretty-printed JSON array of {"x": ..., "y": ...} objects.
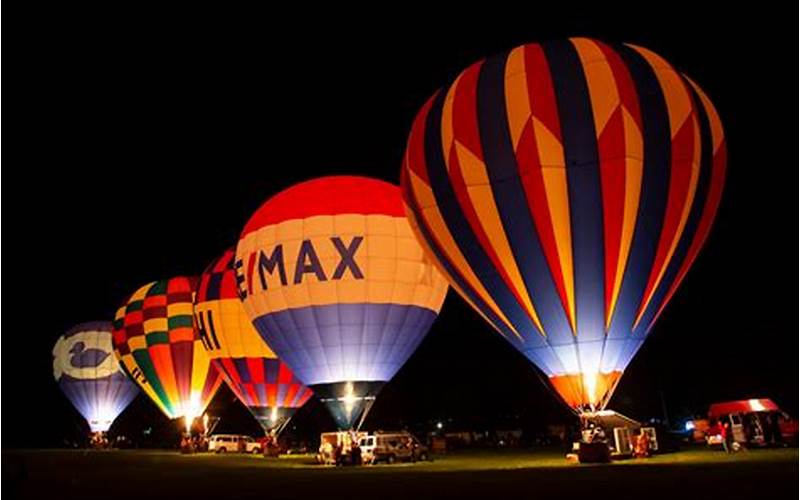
[
  {"x": 775, "y": 437},
  {"x": 355, "y": 453},
  {"x": 727, "y": 436}
]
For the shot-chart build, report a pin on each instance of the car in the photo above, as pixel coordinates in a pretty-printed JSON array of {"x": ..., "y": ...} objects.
[
  {"x": 234, "y": 443},
  {"x": 391, "y": 447}
]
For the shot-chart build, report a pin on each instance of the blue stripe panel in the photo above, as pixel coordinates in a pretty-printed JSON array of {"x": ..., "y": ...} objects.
[
  {"x": 692, "y": 222},
  {"x": 244, "y": 372},
  {"x": 546, "y": 359},
  {"x": 585, "y": 199},
  {"x": 612, "y": 353},
  {"x": 513, "y": 208},
  {"x": 261, "y": 392},
  {"x": 271, "y": 370},
  {"x": 281, "y": 393},
  {"x": 345, "y": 342},
  {"x": 214, "y": 286}
]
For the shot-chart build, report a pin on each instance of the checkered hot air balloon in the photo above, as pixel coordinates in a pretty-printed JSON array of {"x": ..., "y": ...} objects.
[
  {"x": 337, "y": 285},
  {"x": 158, "y": 344},
  {"x": 565, "y": 189},
  {"x": 88, "y": 373},
  {"x": 262, "y": 382}
]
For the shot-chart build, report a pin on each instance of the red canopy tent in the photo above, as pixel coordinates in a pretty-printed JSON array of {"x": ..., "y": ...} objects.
[{"x": 743, "y": 406}]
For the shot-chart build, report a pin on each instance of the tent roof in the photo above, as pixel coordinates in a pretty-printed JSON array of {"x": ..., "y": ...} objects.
[
  {"x": 743, "y": 406},
  {"x": 609, "y": 419}
]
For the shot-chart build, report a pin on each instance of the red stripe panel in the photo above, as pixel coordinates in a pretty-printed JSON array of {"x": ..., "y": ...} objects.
[
  {"x": 625, "y": 86},
  {"x": 251, "y": 398},
  {"x": 541, "y": 97},
  {"x": 541, "y": 93},
  {"x": 416, "y": 142},
  {"x": 181, "y": 285},
  {"x": 230, "y": 368},
  {"x": 182, "y": 356},
  {"x": 272, "y": 391},
  {"x": 533, "y": 183},
  {"x": 222, "y": 264},
  {"x": 304, "y": 397},
  {"x": 611, "y": 146},
  {"x": 119, "y": 337},
  {"x": 154, "y": 301},
  {"x": 251, "y": 264},
  {"x": 202, "y": 290},
  {"x": 329, "y": 196},
  {"x": 213, "y": 380},
  {"x": 256, "y": 368},
  {"x": 291, "y": 391},
  {"x": 465, "y": 124},
  {"x": 134, "y": 318},
  {"x": 284, "y": 374},
  {"x": 228, "y": 289},
  {"x": 237, "y": 390}
]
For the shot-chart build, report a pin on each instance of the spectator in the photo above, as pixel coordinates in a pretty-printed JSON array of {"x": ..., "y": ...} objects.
[{"x": 727, "y": 436}]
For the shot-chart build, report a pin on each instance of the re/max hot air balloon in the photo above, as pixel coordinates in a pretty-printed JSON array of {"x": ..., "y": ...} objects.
[
  {"x": 89, "y": 375},
  {"x": 158, "y": 344},
  {"x": 262, "y": 382},
  {"x": 337, "y": 285},
  {"x": 565, "y": 189}
]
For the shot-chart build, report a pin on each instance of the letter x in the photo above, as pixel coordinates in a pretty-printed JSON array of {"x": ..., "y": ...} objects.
[{"x": 348, "y": 257}]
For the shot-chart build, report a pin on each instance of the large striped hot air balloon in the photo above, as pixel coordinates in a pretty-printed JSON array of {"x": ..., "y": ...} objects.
[
  {"x": 158, "y": 344},
  {"x": 565, "y": 189},
  {"x": 89, "y": 375},
  {"x": 262, "y": 382},
  {"x": 337, "y": 285}
]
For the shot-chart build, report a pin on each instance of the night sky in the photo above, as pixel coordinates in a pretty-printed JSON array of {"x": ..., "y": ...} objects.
[{"x": 143, "y": 146}]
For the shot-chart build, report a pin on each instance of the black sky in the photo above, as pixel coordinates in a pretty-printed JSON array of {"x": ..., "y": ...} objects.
[{"x": 141, "y": 143}]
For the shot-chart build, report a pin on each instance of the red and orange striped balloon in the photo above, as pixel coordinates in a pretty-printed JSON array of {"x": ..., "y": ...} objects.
[
  {"x": 261, "y": 381},
  {"x": 565, "y": 189}
]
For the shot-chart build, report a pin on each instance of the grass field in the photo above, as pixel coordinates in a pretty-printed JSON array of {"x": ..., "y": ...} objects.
[{"x": 61, "y": 474}]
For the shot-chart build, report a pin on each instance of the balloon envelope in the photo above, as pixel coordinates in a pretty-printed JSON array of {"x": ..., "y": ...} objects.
[
  {"x": 158, "y": 344},
  {"x": 337, "y": 285},
  {"x": 565, "y": 189},
  {"x": 262, "y": 382},
  {"x": 88, "y": 373}
]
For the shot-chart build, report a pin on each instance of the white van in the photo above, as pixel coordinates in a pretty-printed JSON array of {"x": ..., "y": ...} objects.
[
  {"x": 223, "y": 443},
  {"x": 391, "y": 447}
]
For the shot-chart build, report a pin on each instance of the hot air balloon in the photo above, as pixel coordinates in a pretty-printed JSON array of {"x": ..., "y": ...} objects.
[
  {"x": 262, "y": 382},
  {"x": 565, "y": 189},
  {"x": 158, "y": 344},
  {"x": 337, "y": 285},
  {"x": 89, "y": 375}
]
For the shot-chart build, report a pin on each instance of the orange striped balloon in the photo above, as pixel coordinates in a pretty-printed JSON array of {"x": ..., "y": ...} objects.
[{"x": 565, "y": 189}]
